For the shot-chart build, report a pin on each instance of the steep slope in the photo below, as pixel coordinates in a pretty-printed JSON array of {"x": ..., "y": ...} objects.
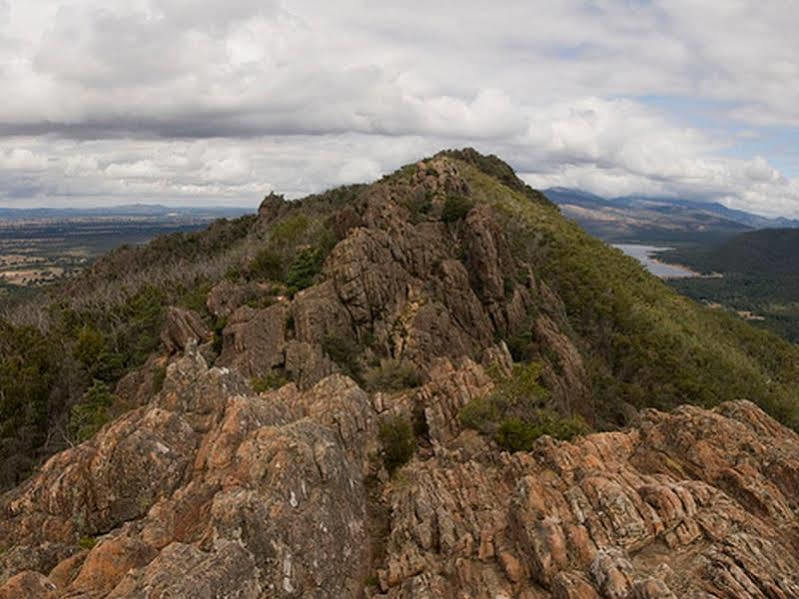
[{"x": 385, "y": 390}]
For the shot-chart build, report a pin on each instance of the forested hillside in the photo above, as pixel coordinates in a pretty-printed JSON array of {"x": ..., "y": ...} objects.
[{"x": 760, "y": 277}]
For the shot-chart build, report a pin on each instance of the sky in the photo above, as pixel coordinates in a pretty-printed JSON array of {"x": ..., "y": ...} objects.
[{"x": 221, "y": 102}]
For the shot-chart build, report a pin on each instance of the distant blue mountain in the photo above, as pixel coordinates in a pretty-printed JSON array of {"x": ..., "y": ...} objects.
[{"x": 646, "y": 219}]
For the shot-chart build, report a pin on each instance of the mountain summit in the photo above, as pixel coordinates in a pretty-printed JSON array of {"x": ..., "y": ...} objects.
[{"x": 430, "y": 386}]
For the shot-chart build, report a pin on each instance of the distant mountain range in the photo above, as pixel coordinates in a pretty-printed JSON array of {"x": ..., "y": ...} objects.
[
  {"x": 143, "y": 211},
  {"x": 647, "y": 219}
]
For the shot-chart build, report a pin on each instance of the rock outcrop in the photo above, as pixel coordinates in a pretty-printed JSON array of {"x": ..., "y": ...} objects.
[
  {"x": 211, "y": 490},
  {"x": 181, "y": 328},
  {"x": 693, "y": 504},
  {"x": 402, "y": 287}
]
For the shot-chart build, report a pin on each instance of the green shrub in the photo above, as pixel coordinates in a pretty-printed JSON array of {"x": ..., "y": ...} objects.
[
  {"x": 305, "y": 267},
  {"x": 159, "y": 375},
  {"x": 272, "y": 380},
  {"x": 89, "y": 344},
  {"x": 392, "y": 375},
  {"x": 513, "y": 415},
  {"x": 90, "y": 414},
  {"x": 234, "y": 272},
  {"x": 480, "y": 414},
  {"x": 267, "y": 264},
  {"x": 219, "y": 326},
  {"x": 517, "y": 434},
  {"x": 514, "y": 434},
  {"x": 397, "y": 441},
  {"x": 195, "y": 298},
  {"x": 419, "y": 206},
  {"x": 87, "y": 543},
  {"x": 455, "y": 208},
  {"x": 109, "y": 367},
  {"x": 288, "y": 231},
  {"x": 521, "y": 346}
]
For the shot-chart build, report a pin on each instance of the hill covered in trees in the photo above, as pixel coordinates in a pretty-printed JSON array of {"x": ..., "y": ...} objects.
[{"x": 760, "y": 277}]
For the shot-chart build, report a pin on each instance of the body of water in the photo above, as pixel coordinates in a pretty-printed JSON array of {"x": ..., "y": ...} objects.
[{"x": 643, "y": 253}]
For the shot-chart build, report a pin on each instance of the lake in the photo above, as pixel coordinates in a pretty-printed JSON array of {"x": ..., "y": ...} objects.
[{"x": 643, "y": 253}]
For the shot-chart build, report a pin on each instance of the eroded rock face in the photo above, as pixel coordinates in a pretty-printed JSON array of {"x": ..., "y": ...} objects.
[
  {"x": 254, "y": 340},
  {"x": 208, "y": 490},
  {"x": 694, "y": 504},
  {"x": 181, "y": 328},
  {"x": 405, "y": 287},
  {"x": 212, "y": 491}
]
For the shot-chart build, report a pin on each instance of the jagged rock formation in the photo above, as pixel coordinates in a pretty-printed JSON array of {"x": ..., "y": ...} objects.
[
  {"x": 410, "y": 290},
  {"x": 213, "y": 491},
  {"x": 208, "y": 489}
]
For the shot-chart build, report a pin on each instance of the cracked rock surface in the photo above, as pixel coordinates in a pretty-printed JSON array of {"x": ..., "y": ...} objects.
[{"x": 213, "y": 491}]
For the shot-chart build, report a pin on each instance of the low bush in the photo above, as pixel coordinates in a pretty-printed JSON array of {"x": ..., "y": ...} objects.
[
  {"x": 271, "y": 380},
  {"x": 90, "y": 414},
  {"x": 159, "y": 375},
  {"x": 455, "y": 208},
  {"x": 397, "y": 441},
  {"x": 87, "y": 543},
  {"x": 517, "y": 434},
  {"x": 267, "y": 264},
  {"x": 304, "y": 269},
  {"x": 392, "y": 375},
  {"x": 514, "y": 414}
]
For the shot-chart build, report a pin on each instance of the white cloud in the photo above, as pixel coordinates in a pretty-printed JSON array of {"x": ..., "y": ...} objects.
[{"x": 222, "y": 101}]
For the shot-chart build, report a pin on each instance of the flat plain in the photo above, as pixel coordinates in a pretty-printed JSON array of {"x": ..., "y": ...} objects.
[{"x": 38, "y": 248}]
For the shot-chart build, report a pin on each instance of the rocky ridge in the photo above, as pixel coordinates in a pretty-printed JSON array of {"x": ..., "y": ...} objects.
[
  {"x": 209, "y": 489},
  {"x": 212, "y": 491}
]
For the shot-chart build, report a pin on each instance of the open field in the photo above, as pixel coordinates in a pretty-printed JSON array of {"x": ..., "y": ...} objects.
[{"x": 35, "y": 252}]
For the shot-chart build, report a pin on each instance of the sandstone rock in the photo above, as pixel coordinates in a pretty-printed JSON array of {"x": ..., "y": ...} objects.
[
  {"x": 39, "y": 557},
  {"x": 318, "y": 314},
  {"x": 449, "y": 389},
  {"x": 596, "y": 517},
  {"x": 565, "y": 374},
  {"x": 254, "y": 340},
  {"x": 181, "y": 327},
  {"x": 226, "y": 296},
  {"x": 109, "y": 561},
  {"x": 137, "y": 387},
  {"x": 271, "y": 207},
  {"x": 211, "y": 491},
  {"x": 66, "y": 571},
  {"x": 30, "y": 585},
  {"x": 245, "y": 495},
  {"x": 306, "y": 364},
  {"x": 185, "y": 571}
]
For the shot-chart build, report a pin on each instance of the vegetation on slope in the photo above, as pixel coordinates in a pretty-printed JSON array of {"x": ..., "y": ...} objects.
[
  {"x": 63, "y": 354},
  {"x": 646, "y": 345},
  {"x": 760, "y": 277}
]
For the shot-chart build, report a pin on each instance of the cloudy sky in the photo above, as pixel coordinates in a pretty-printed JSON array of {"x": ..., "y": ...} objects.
[{"x": 184, "y": 101}]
